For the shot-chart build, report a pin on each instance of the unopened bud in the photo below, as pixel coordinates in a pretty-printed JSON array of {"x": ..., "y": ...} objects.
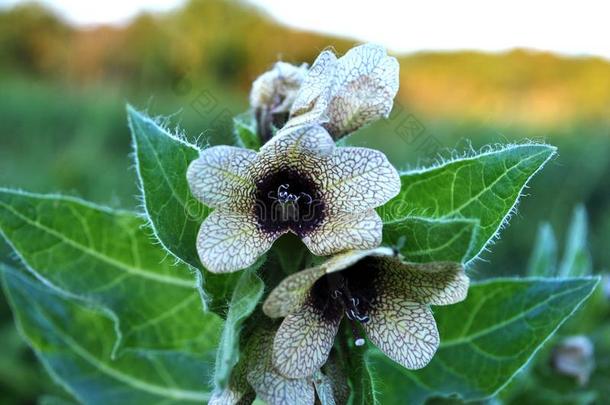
[
  {"x": 573, "y": 357},
  {"x": 273, "y": 94}
]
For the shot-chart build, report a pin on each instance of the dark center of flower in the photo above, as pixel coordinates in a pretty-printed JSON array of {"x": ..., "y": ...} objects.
[
  {"x": 350, "y": 292},
  {"x": 288, "y": 200}
]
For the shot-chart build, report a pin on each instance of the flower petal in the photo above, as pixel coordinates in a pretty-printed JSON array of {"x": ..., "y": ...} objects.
[
  {"x": 291, "y": 292},
  {"x": 229, "y": 241},
  {"x": 347, "y": 93},
  {"x": 344, "y": 231},
  {"x": 358, "y": 179},
  {"x": 238, "y": 391},
  {"x": 314, "y": 95},
  {"x": 436, "y": 283},
  {"x": 303, "y": 342},
  {"x": 334, "y": 370},
  {"x": 270, "y": 386},
  {"x": 220, "y": 177},
  {"x": 405, "y": 331},
  {"x": 231, "y": 397},
  {"x": 364, "y": 91},
  {"x": 291, "y": 147},
  {"x": 324, "y": 388},
  {"x": 342, "y": 261}
]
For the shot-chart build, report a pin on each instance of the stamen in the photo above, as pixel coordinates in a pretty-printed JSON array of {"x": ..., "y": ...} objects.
[
  {"x": 363, "y": 318},
  {"x": 288, "y": 201},
  {"x": 352, "y": 311},
  {"x": 284, "y": 197}
]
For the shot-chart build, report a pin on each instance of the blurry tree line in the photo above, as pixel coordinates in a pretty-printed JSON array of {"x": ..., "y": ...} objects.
[
  {"x": 232, "y": 42},
  {"x": 218, "y": 39}
]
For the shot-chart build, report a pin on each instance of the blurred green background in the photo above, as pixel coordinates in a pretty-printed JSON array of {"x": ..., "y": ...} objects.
[{"x": 63, "y": 125}]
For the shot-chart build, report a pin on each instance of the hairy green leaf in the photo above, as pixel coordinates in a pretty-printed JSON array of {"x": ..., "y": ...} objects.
[
  {"x": 576, "y": 259},
  {"x": 291, "y": 254},
  {"x": 363, "y": 387},
  {"x": 543, "y": 261},
  {"x": 485, "y": 187},
  {"x": 161, "y": 163},
  {"x": 107, "y": 258},
  {"x": 245, "y": 131},
  {"x": 542, "y": 383},
  {"x": 247, "y": 294},
  {"x": 75, "y": 343},
  {"x": 174, "y": 214},
  {"x": 426, "y": 240},
  {"x": 361, "y": 378},
  {"x": 485, "y": 340}
]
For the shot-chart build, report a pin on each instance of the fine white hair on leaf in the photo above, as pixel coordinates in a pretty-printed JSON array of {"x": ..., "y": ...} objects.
[
  {"x": 198, "y": 283},
  {"x": 471, "y": 154},
  {"x": 513, "y": 209}
]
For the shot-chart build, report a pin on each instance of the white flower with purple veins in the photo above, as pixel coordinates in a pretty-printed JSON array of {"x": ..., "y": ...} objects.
[
  {"x": 373, "y": 290},
  {"x": 255, "y": 376},
  {"x": 344, "y": 94},
  {"x": 298, "y": 182}
]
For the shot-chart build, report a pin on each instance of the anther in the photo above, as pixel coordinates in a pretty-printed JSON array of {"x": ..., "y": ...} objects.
[
  {"x": 362, "y": 318},
  {"x": 351, "y": 311}
]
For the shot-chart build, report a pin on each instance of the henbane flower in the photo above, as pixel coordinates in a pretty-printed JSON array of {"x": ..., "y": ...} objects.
[
  {"x": 256, "y": 376},
  {"x": 346, "y": 93},
  {"x": 298, "y": 182},
  {"x": 372, "y": 289}
]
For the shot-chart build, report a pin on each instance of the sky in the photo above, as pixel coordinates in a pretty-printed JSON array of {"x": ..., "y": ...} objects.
[{"x": 565, "y": 27}]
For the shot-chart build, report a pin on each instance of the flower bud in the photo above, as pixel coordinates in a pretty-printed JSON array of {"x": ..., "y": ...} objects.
[
  {"x": 573, "y": 357},
  {"x": 344, "y": 94},
  {"x": 272, "y": 96}
]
